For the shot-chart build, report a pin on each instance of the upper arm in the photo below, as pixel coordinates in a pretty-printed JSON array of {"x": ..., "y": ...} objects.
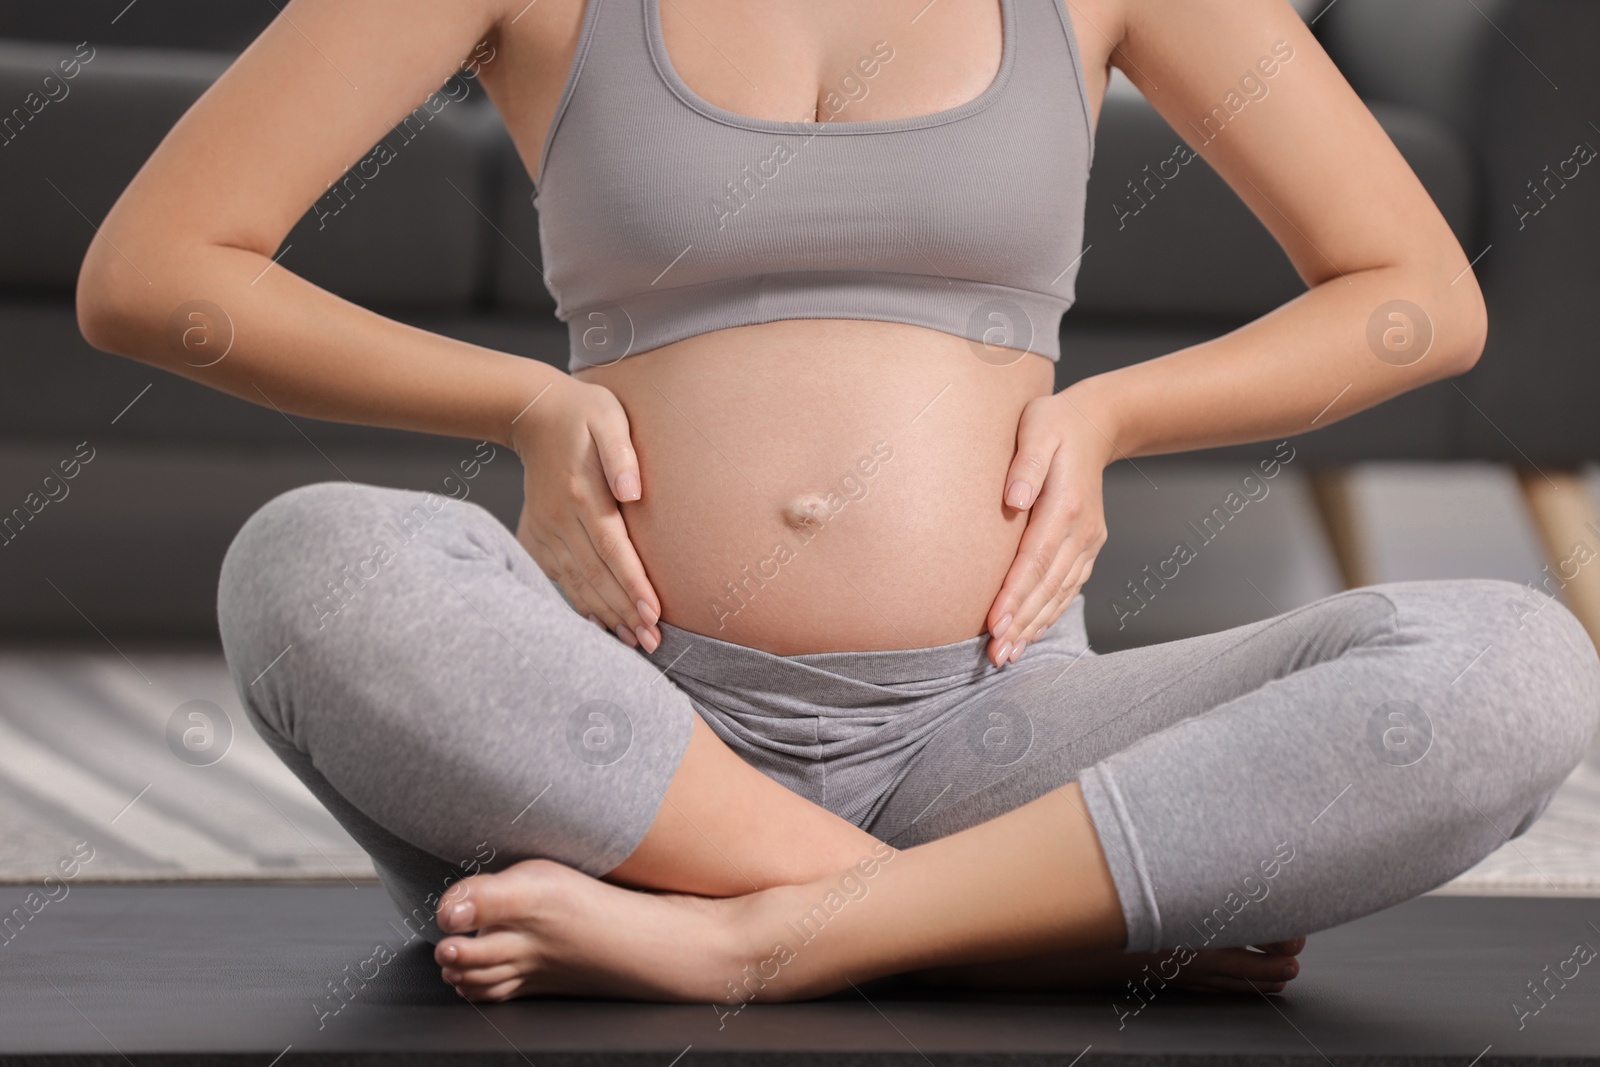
[
  {"x": 306, "y": 100},
  {"x": 1249, "y": 87}
]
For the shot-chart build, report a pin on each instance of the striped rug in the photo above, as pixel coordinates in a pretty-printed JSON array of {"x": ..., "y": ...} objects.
[{"x": 85, "y": 756}]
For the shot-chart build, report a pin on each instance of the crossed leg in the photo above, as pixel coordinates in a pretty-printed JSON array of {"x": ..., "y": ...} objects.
[
  {"x": 1250, "y": 738},
  {"x": 430, "y": 686},
  {"x": 406, "y": 659}
]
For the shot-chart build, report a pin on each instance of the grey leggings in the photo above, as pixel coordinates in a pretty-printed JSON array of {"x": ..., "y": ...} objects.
[{"x": 411, "y": 664}]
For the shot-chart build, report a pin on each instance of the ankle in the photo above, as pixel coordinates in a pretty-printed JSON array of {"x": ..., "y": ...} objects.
[{"x": 760, "y": 954}]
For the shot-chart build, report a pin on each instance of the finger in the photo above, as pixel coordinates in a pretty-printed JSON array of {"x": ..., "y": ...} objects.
[
  {"x": 1036, "y": 555},
  {"x": 1046, "y": 603},
  {"x": 1036, "y": 447},
  {"x": 1069, "y": 590},
  {"x": 604, "y": 595},
  {"x": 561, "y": 567},
  {"x": 1044, "y": 595},
  {"x": 557, "y": 564},
  {"x": 1070, "y": 585},
  {"x": 624, "y": 580},
  {"x": 619, "y": 465},
  {"x": 585, "y": 599},
  {"x": 618, "y": 460},
  {"x": 1049, "y": 523},
  {"x": 588, "y": 518}
]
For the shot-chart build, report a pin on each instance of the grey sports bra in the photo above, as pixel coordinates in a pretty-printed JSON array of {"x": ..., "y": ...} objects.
[{"x": 663, "y": 216}]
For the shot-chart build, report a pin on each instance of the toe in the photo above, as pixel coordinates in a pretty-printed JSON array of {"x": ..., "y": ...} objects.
[
  {"x": 1234, "y": 985},
  {"x": 487, "y": 977},
  {"x": 485, "y": 950},
  {"x": 492, "y": 899},
  {"x": 449, "y": 950},
  {"x": 1292, "y": 947},
  {"x": 1242, "y": 964},
  {"x": 458, "y": 908},
  {"x": 500, "y": 991}
]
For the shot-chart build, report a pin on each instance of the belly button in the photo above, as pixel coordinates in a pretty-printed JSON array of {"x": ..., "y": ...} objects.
[{"x": 806, "y": 512}]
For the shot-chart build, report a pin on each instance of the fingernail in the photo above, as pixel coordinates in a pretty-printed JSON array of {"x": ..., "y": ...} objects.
[
  {"x": 459, "y": 916},
  {"x": 650, "y": 643},
  {"x": 1005, "y": 650},
  {"x": 1002, "y": 626},
  {"x": 647, "y": 613},
  {"x": 1019, "y": 494},
  {"x": 628, "y": 486},
  {"x": 1016, "y": 653},
  {"x": 449, "y": 952},
  {"x": 596, "y": 620},
  {"x": 625, "y": 635}
]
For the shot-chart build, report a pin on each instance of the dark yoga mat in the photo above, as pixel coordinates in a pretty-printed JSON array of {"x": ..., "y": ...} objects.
[{"x": 238, "y": 975}]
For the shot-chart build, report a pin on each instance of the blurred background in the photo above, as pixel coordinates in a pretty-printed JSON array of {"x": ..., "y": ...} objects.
[{"x": 108, "y": 647}]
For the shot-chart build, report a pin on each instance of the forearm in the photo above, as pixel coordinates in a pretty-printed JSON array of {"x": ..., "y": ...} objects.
[
  {"x": 1299, "y": 368},
  {"x": 296, "y": 347}
]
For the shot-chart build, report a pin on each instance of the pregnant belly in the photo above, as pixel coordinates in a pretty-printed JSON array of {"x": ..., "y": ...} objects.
[{"x": 825, "y": 485}]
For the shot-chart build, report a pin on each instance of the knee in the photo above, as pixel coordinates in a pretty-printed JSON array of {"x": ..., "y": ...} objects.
[
  {"x": 277, "y": 545},
  {"x": 1562, "y": 671},
  {"x": 1544, "y": 640},
  {"x": 309, "y": 552},
  {"x": 1544, "y": 675},
  {"x": 1548, "y": 651}
]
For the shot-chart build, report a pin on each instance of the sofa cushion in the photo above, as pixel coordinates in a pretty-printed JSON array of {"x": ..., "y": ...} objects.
[
  {"x": 1427, "y": 54},
  {"x": 201, "y": 24},
  {"x": 1518, "y": 81},
  {"x": 131, "y": 546},
  {"x": 1422, "y": 424},
  {"x": 57, "y": 386},
  {"x": 1169, "y": 237},
  {"x": 412, "y": 233}
]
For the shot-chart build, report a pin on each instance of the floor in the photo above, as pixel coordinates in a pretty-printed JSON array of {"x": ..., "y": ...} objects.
[{"x": 244, "y": 975}]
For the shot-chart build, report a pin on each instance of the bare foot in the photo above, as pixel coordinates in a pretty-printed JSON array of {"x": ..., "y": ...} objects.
[
  {"x": 545, "y": 929},
  {"x": 1264, "y": 968}
]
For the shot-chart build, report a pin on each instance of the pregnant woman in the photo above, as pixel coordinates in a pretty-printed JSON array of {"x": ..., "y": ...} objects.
[{"x": 773, "y": 648}]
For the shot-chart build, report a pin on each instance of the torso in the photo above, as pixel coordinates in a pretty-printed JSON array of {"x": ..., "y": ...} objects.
[{"x": 909, "y": 429}]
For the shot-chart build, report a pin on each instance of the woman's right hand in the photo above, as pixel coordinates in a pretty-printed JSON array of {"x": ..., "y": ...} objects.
[{"x": 578, "y": 463}]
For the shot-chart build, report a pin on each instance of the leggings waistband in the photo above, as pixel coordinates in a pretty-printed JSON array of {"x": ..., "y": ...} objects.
[{"x": 842, "y": 680}]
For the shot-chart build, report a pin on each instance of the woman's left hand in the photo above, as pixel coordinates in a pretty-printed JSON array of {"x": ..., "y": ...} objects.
[{"x": 1056, "y": 477}]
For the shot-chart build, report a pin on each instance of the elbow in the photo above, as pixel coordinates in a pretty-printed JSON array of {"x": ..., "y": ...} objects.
[
  {"x": 117, "y": 303},
  {"x": 100, "y": 321},
  {"x": 107, "y": 306},
  {"x": 1465, "y": 330},
  {"x": 1459, "y": 321},
  {"x": 1475, "y": 331}
]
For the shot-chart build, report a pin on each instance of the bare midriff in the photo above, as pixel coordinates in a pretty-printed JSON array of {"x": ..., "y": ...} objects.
[{"x": 822, "y": 485}]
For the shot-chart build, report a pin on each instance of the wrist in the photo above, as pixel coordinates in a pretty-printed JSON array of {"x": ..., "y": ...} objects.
[
  {"x": 531, "y": 392},
  {"x": 1090, "y": 404}
]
